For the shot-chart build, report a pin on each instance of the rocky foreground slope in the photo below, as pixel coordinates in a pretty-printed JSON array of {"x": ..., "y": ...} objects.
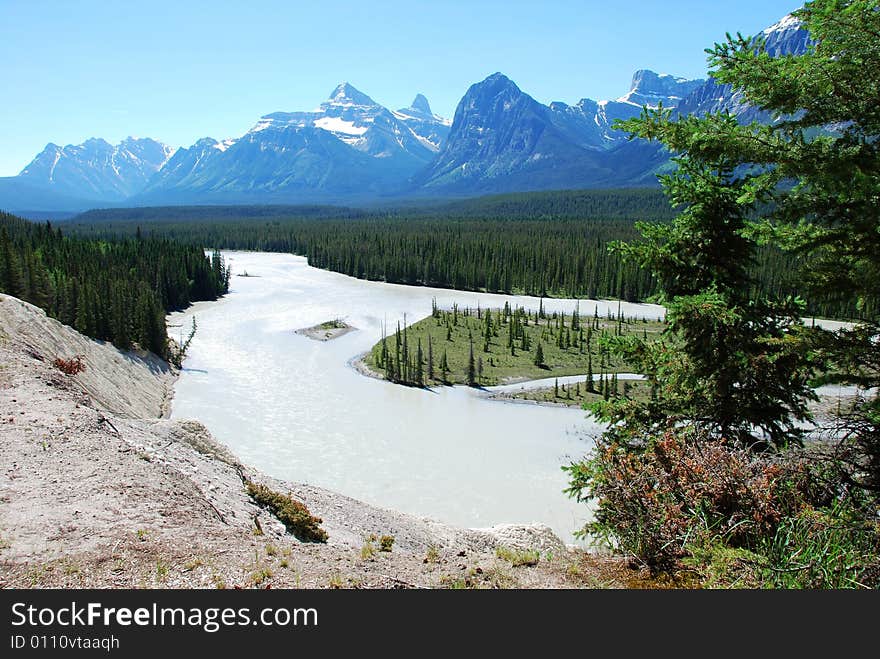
[{"x": 98, "y": 489}]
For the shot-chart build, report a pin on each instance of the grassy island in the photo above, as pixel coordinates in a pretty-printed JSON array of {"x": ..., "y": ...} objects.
[
  {"x": 327, "y": 331},
  {"x": 484, "y": 347}
]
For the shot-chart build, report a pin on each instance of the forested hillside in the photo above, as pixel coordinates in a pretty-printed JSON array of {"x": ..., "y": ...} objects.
[
  {"x": 117, "y": 291},
  {"x": 550, "y": 243}
]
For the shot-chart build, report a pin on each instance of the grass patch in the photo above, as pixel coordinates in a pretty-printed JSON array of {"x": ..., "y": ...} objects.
[
  {"x": 518, "y": 557},
  {"x": 578, "y": 394},
  {"x": 336, "y": 323},
  {"x": 456, "y": 583},
  {"x": 261, "y": 575},
  {"x": 191, "y": 565},
  {"x": 336, "y": 581},
  {"x": 432, "y": 555},
  {"x": 293, "y": 514},
  {"x": 830, "y": 548},
  {"x": 368, "y": 550}
]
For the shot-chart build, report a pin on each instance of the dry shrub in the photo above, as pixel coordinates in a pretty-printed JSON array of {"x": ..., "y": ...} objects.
[{"x": 70, "y": 366}]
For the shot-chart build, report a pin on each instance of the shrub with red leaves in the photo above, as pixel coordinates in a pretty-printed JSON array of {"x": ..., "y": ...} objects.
[
  {"x": 680, "y": 488},
  {"x": 70, "y": 366}
]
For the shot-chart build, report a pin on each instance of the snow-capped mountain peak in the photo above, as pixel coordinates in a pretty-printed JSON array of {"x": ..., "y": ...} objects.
[
  {"x": 349, "y": 143},
  {"x": 346, "y": 94},
  {"x": 787, "y": 22}
]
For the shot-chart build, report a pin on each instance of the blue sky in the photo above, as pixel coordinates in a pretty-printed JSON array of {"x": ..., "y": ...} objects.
[{"x": 178, "y": 71}]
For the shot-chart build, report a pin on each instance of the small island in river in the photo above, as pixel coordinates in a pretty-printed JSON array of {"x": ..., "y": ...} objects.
[
  {"x": 489, "y": 347},
  {"x": 328, "y": 330}
]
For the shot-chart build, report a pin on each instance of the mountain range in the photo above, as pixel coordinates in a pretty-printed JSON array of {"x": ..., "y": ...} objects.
[{"x": 351, "y": 148}]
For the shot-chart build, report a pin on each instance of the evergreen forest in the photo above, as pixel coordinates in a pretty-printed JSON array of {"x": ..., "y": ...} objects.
[
  {"x": 117, "y": 291},
  {"x": 550, "y": 244}
]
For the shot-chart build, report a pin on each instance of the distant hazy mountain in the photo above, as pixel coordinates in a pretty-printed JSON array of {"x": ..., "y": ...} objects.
[
  {"x": 20, "y": 196},
  {"x": 353, "y": 149},
  {"x": 96, "y": 169}
]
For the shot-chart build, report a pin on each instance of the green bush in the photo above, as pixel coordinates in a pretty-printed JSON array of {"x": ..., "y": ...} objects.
[
  {"x": 293, "y": 514},
  {"x": 518, "y": 557}
]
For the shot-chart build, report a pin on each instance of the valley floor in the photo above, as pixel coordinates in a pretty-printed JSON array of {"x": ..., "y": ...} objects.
[{"x": 98, "y": 490}]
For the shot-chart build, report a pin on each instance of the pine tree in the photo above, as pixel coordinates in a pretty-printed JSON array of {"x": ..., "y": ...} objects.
[
  {"x": 11, "y": 275},
  {"x": 487, "y": 333},
  {"x": 590, "y": 386},
  {"x": 539, "y": 355},
  {"x": 471, "y": 375},
  {"x": 430, "y": 359}
]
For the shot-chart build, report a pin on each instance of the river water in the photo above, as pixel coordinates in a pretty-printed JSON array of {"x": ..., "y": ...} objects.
[{"x": 295, "y": 408}]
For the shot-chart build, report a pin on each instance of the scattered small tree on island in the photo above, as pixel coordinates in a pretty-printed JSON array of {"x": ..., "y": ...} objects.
[
  {"x": 430, "y": 359},
  {"x": 471, "y": 375}
]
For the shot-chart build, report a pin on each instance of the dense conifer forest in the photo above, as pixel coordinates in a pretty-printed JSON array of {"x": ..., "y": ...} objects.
[
  {"x": 117, "y": 291},
  {"x": 552, "y": 244}
]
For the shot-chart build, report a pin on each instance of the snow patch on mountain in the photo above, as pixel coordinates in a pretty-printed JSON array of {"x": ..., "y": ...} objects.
[
  {"x": 339, "y": 125},
  {"x": 224, "y": 144}
]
